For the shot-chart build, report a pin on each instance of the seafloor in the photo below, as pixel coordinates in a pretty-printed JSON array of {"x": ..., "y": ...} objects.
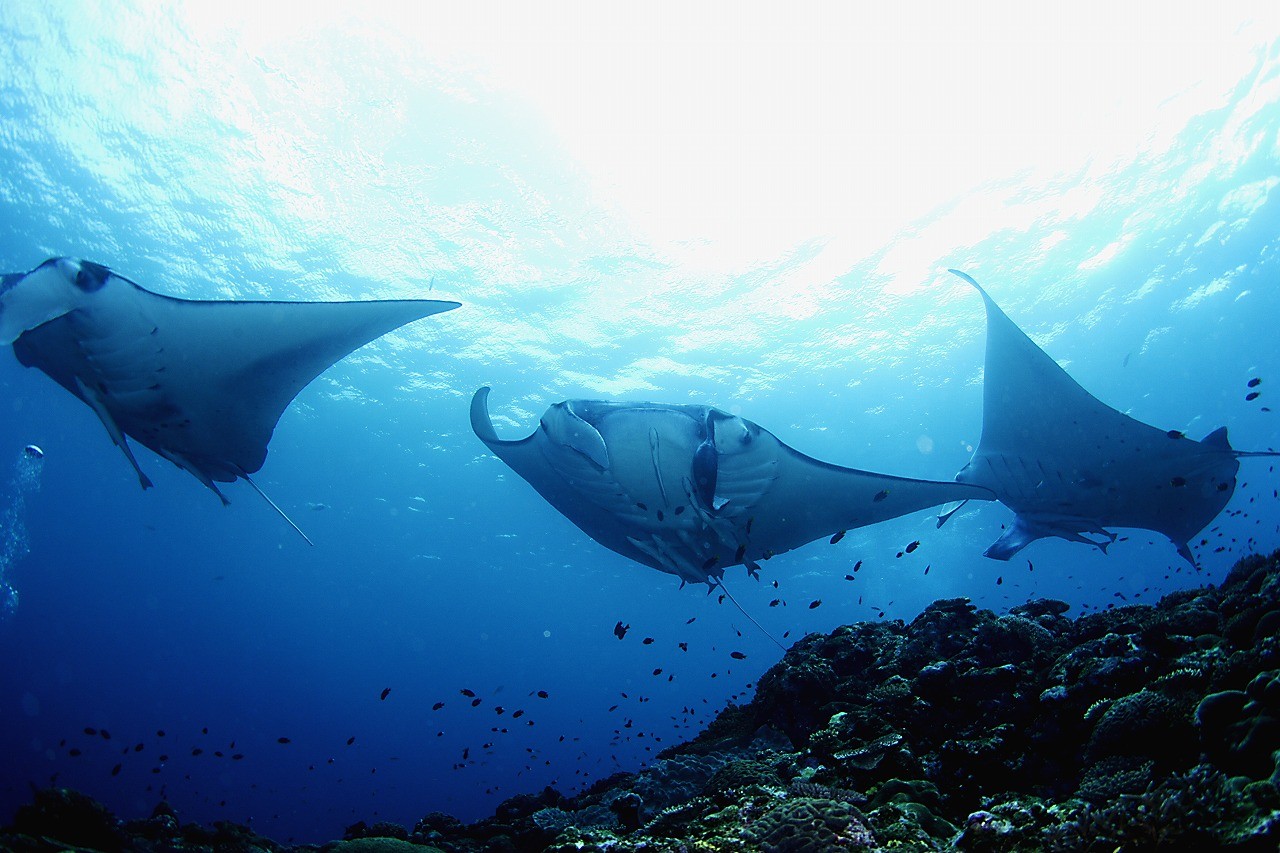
[{"x": 1138, "y": 728}]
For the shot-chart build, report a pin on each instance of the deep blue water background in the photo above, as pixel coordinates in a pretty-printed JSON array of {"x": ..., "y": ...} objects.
[{"x": 205, "y": 167}]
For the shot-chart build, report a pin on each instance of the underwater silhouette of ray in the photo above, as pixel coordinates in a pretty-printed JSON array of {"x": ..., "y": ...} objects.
[
  {"x": 692, "y": 490},
  {"x": 201, "y": 383},
  {"x": 1070, "y": 466}
]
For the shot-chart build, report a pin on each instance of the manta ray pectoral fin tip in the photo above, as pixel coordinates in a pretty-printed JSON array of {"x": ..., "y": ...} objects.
[{"x": 1185, "y": 552}]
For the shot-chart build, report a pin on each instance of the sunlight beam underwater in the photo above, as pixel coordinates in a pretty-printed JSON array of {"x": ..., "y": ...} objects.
[
  {"x": 692, "y": 490},
  {"x": 201, "y": 383},
  {"x": 1069, "y": 465}
]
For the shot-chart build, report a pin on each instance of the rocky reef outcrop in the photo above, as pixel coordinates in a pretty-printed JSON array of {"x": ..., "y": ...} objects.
[{"x": 1145, "y": 727}]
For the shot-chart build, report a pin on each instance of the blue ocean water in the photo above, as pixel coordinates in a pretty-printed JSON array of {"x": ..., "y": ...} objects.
[{"x": 366, "y": 154}]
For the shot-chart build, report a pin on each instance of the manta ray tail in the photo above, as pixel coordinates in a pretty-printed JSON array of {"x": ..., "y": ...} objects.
[
  {"x": 729, "y": 595},
  {"x": 276, "y": 508}
]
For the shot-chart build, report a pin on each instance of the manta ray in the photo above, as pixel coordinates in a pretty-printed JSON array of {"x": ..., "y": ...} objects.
[
  {"x": 1070, "y": 466},
  {"x": 201, "y": 383},
  {"x": 692, "y": 490}
]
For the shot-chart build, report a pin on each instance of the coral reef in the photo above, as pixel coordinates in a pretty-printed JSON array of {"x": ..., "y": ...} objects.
[{"x": 1153, "y": 727}]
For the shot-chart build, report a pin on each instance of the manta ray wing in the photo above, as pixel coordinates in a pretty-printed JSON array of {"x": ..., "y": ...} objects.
[
  {"x": 811, "y": 499},
  {"x": 1070, "y": 466}
]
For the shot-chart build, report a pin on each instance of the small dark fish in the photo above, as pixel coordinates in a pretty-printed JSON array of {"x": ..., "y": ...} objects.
[
  {"x": 620, "y": 630},
  {"x": 197, "y": 751},
  {"x": 499, "y": 709},
  {"x": 880, "y": 495},
  {"x": 999, "y": 580},
  {"x": 351, "y": 740},
  {"x": 386, "y": 691},
  {"x": 106, "y": 735},
  {"x": 857, "y": 565},
  {"x": 469, "y": 693},
  {"x": 740, "y": 553},
  {"x": 515, "y": 715},
  {"x": 912, "y": 546},
  {"x": 837, "y": 537},
  {"x": 775, "y": 602},
  {"x": 815, "y": 603},
  {"x": 691, "y": 620},
  {"x": 1252, "y": 395},
  {"x": 137, "y": 747},
  {"x": 437, "y": 706},
  {"x": 657, "y": 671},
  {"x": 679, "y": 509},
  {"x": 684, "y": 647},
  {"x": 542, "y": 694},
  {"x": 1255, "y": 382},
  {"x": 282, "y": 740},
  {"x": 926, "y": 570},
  {"x": 641, "y": 507},
  {"x": 1173, "y": 433},
  {"x": 848, "y": 577},
  {"x": 239, "y": 756},
  {"x": 709, "y": 562},
  {"x": 476, "y": 702},
  {"x": 1178, "y": 481},
  {"x": 647, "y": 641},
  {"x": 115, "y": 771},
  {"x": 159, "y": 732},
  {"x": 660, "y": 516},
  {"x": 737, "y": 655},
  {"x": 73, "y": 752}
]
